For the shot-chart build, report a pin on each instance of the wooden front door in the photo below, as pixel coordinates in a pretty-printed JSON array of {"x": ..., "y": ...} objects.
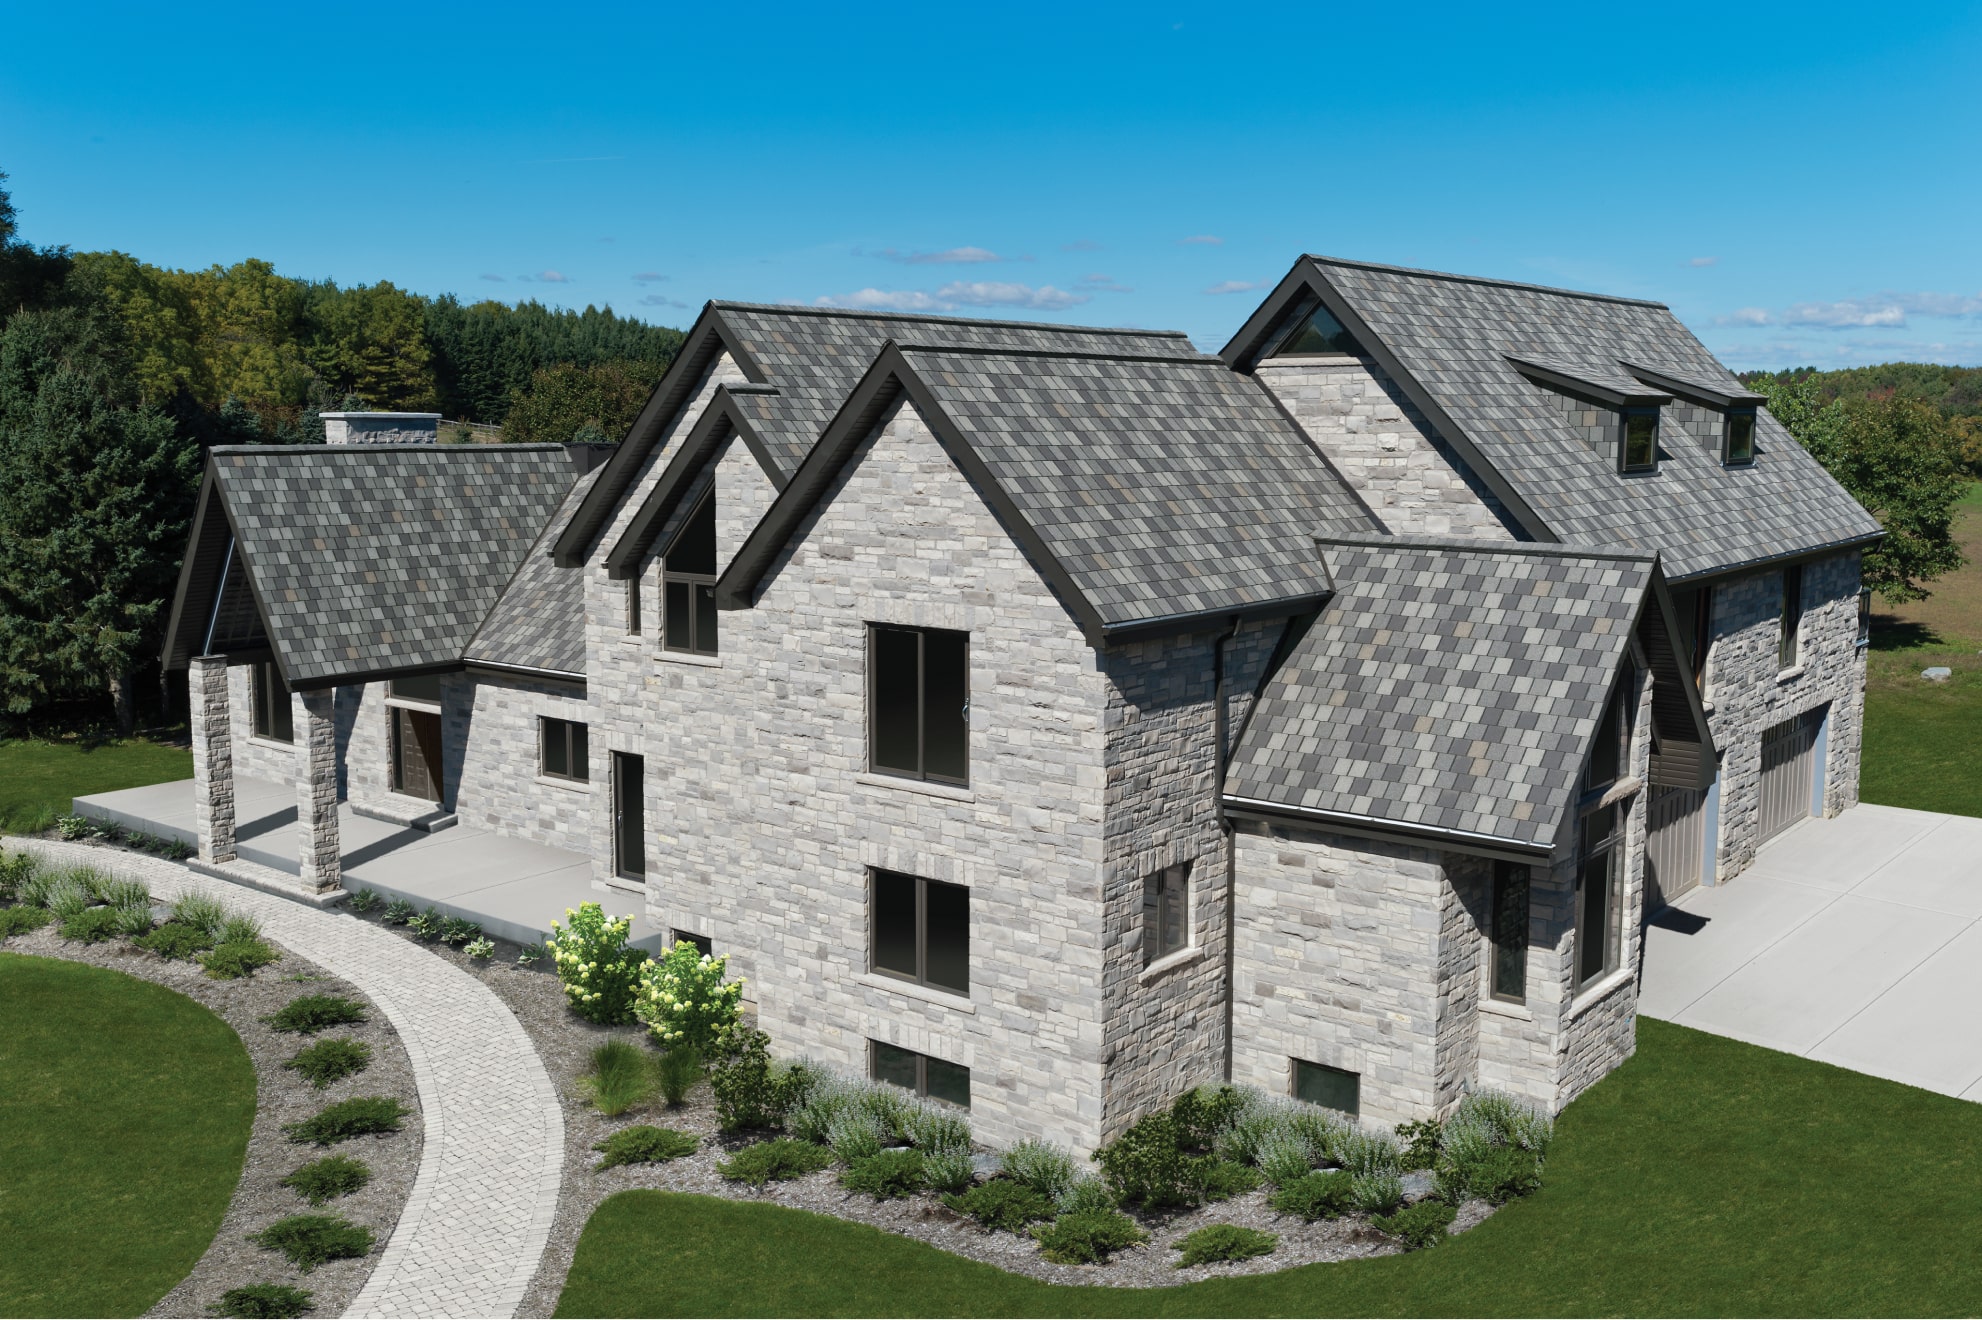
[{"x": 416, "y": 753}]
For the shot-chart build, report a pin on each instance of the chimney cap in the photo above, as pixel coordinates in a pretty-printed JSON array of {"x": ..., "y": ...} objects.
[{"x": 404, "y": 416}]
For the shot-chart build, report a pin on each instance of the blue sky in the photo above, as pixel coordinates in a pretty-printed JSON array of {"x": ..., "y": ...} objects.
[{"x": 1798, "y": 182}]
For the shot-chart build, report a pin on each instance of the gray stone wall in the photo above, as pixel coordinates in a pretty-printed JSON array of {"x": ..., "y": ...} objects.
[
  {"x": 1386, "y": 449},
  {"x": 259, "y": 758},
  {"x": 1748, "y": 691},
  {"x": 213, "y": 757},
  {"x": 500, "y": 786}
]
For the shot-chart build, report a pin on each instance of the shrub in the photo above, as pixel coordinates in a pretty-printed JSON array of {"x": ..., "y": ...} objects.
[
  {"x": 428, "y": 926},
  {"x": 887, "y": 1175},
  {"x": 676, "y": 1071},
  {"x": 1224, "y": 1179},
  {"x": 133, "y": 920},
  {"x": 239, "y": 928},
  {"x": 531, "y": 954},
  {"x": 36, "y": 819},
  {"x": 854, "y": 1136},
  {"x": 929, "y": 1128},
  {"x": 365, "y": 900},
  {"x": 619, "y": 1079},
  {"x": 1040, "y": 1165},
  {"x": 481, "y": 948},
  {"x": 1087, "y": 1237},
  {"x": 174, "y": 940},
  {"x": 645, "y": 1145},
  {"x": 331, "y": 1060},
  {"x": 330, "y": 1177},
  {"x": 1367, "y": 1153},
  {"x": 457, "y": 931},
  {"x": 310, "y": 1240},
  {"x": 684, "y": 999},
  {"x": 828, "y": 1098},
  {"x": 398, "y": 912},
  {"x": 1323, "y": 1195},
  {"x": 1420, "y": 1142},
  {"x": 1492, "y": 1147},
  {"x": 91, "y": 925},
  {"x": 1376, "y": 1193},
  {"x": 750, "y": 1091},
  {"x": 230, "y": 961},
  {"x": 1284, "y": 1157},
  {"x": 1216, "y": 1242},
  {"x": 600, "y": 974},
  {"x": 264, "y": 1301},
  {"x": 949, "y": 1170},
  {"x": 1003, "y": 1205},
  {"x": 66, "y": 898},
  {"x": 361, "y": 1116},
  {"x": 123, "y": 893},
  {"x": 73, "y": 828},
  {"x": 1146, "y": 1165},
  {"x": 1085, "y": 1195},
  {"x": 775, "y": 1161},
  {"x": 202, "y": 912},
  {"x": 1203, "y": 1114},
  {"x": 309, "y": 1014},
  {"x": 34, "y": 884},
  {"x": 1417, "y": 1226},
  {"x": 15, "y": 868},
  {"x": 21, "y": 920}
]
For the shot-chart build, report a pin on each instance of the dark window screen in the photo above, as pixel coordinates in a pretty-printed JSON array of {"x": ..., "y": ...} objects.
[
  {"x": 1740, "y": 437},
  {"x": 421, "y": 687},
  {"x": 919, "y": 699},
  {"x": 676, "y": 612},
  {"x": 945, "y": 713},
  {"x": 1641, "y": 441},
  {"x": 693, "y": 550},
  {"x": 922, "y": 930},
  {"x": 946, "y": 1081},
  {"x": 894, "y": 924},
  {"x": 1595, "y": 884},
  {"x": 896, "y": 700},
  {"x": 896, "y": 1065},
  {"x": 947, "y": 943},
  {"x": 1317, "y": 333},
  {"x": 1510, "y": 932},
  {"x": 688, "y": 584},
  {"x": 938, "y": 1079},
  {"x": 557, "y": 749},
  {"x": 1332, "y": 1088}
]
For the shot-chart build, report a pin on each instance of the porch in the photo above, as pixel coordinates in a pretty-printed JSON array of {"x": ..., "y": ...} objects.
[{"x": 514, "y": 888}]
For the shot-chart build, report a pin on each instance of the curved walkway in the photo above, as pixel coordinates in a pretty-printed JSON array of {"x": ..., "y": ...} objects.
[{"x": 481, "y": 1209}]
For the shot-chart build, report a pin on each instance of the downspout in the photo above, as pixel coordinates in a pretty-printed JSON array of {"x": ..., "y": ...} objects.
[{"x": 1222, "y": 723}]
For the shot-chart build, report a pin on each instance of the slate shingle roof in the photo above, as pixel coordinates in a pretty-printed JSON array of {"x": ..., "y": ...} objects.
[
  {"x": 1453, "y": 335},
  {"x": 1444, "y": 686},
  {"x": 1163, "y": 487},
  {"x": 376, "y": 558},
  {"x": 539, "y": 623}
]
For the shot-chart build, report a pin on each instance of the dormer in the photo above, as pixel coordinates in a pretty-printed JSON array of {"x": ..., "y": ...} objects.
[
  {"x": 1626, "y": 426},
  {"x": 1737, "y": 408}
]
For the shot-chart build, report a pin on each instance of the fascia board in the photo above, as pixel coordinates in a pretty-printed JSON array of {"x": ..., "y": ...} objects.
[{"x": 187, "y": 570}]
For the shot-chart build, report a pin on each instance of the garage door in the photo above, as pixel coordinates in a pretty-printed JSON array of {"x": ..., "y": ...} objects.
[
  {"x": 1789, "y": 759},
  {"x": 1675, "y": 839}
]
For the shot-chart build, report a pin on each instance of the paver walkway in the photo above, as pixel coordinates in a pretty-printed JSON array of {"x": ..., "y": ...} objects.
[
  {"x": 1855, "y": 940},
  {"x": 482, "y": 1204}
]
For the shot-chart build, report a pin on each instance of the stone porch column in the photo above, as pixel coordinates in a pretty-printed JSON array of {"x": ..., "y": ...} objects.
[
  {"x": 316, "y": 789},
  {"x": 213, "y": 757}
]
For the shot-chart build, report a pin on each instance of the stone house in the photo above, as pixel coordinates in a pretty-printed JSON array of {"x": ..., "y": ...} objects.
[{"x": 1050, "y": 719}]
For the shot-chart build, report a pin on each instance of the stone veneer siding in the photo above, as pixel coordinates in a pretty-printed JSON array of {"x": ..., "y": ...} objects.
[
  {"x": 500, "y": 787},
  {"x": 1386, "y": 449}
]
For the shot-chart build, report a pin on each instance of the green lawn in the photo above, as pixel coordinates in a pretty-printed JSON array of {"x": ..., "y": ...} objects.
[
  {"x": 34, "y": 775},
  {"x": 1705, "y": 1177},
  {"x": 124, "y": 1117}
]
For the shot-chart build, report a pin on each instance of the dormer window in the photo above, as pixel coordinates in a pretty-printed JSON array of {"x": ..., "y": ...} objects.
[
  {"x": 1738, "y": 443},
  {"x": 688, "y": 583},
  {"x": 1316, "y": 334},
  {"x": 1638, "y": 441}
]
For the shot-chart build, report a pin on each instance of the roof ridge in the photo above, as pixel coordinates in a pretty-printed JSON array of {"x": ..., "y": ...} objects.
[
  {"x": 1469, "y": 545},
  {"x": 395, "y": 449},
  {"x": 1078, "y": 355},
  {"x": 800, "y": 309},
  {"x": 1483, "y": 279}
]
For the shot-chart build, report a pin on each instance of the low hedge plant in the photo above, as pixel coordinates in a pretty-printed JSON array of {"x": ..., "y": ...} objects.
[
  {"x": 231, "y": 960},
  {"x": 644, "y": 1144},
  {"x": 1003, "y": 1205},
  {"x": 360, "y": 1116},
  {"x": 328, "y": 1178},
  {"x": 309, "y": 1014},
  {"x": 1087, "y": 1237},
  {"x": 311, "y": 1240},
  {"x": 1418, "y": 1226},
  {"x": 775, "y": 1161},
  {"x": 1218, "y": 1242},
  {"x": 1323, "y": 1195},
  {"x": 887, "y": 1175},
  {"x": 330, "y": 1060},
  {"x": 175, "y": 941},
  {"x": 264, "y": 1301},
  {"x": 21, "y": 920}
]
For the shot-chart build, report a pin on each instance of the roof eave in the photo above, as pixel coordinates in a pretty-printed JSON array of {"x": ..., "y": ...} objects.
[
  {"x": 623, "y": 560},
  {"x": 1411, "y": 833}
]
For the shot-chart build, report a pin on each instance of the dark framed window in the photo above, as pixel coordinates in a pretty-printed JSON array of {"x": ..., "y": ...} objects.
[
  {"x": 926, "y": 1075},
  {"x": 629, "y": 815},
  {"x": 688, "y": 583},
  {"x": 1792, "y": 614},
  {"x": 1599, "y": 878},
  {"x": 1331, "y": 1088},
  {"x": 1703, "y": 634},
  {"x": 633, "y": 606},
  {"x": 1638, "y": 440},
  {"x": 1738, "y": 438},
  {"x": 1509, "y": 979},
  {"x": 918, "y": 698},
  {"x": 562, "y": 751},
  {"x": 702, "y": 944},
  {"x": 268, "y": 695},
  {"x": 1610, "y": 751},
  {"x": 1166, "y": 913},
  {"x": 1865, "y": 616},
  {"x": 920, "y": 930},
  {"x": 420, "y": 687},
  {"x": 1316, "y": 333}
]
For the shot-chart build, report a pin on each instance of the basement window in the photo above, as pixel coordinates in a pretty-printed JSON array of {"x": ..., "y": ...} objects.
[
  {"x": 702, "y": 944},
  {"x": 1738, "y": 445},
  {"x": 688, "y": 583},
  {"x": 1638, "y": 440},
  {"x": 1331, "y": 1088},
  {"x": 936, "y": 1079}
]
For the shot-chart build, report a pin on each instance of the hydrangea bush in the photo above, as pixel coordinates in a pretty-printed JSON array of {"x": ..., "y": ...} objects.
[
  {"x": 600, "y": 974},
  {"x": 685, "y": 1001}
]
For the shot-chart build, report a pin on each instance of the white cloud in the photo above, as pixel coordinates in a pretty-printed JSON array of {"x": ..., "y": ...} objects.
[
  {"x": 1882, "y": 311},
  {"x": 1746, "y": 316},
  {"x": 958, "y": 293},
  {"x": 956, "y": 256},
  {"x": 649, "y": 276},
  {"x": 660, "y": 300},
  {"x": 1207, "y": 240},
  {"x": 1703, "y": 261},
  {"x": 493, "y": 279},
  {"x": 1846, "y": 313},
  {"x": 1237, "y": 286},
  {"x": 885, "y": 300},
  {"x": 552, "y": 277}
]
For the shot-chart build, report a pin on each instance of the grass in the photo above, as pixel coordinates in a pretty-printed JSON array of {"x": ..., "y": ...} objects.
[
  {"x": 38, "y": 779},
  {"x": 127, "y": 1109},
  {"x": 621, "y": 1078},
  {"x": 1705, "y": 1177}
]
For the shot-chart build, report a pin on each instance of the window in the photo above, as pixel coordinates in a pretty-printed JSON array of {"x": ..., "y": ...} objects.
[
  {"x": 919, "y": 698},
  {"x": 629, "y": 815},
  {"x": 1166, "y": 913},
  {"x": 1510, "y": 933},
  {"x": 1739, "y": 445},
  {"x": 633, "y": 606},
  {"x": 1610, "y": 753},
  {"x": 1703, "y": 634},
  {"x": 1316, "y": 334},
  {"x": 688, "y": 583},
  {"x": 1331, "y": 1088},
  {"x": 421, "y": 687},
  {"x": 921, "y": 930},
  {"x": 935, "y": 1078},
  {"x": 269, "y": 696},
  {"x": 561, "y": 750},
  {"x": 1792, "y": 614},
  {"x": 1865, "y": 616},
  {"x": 1638, "y": 444},
  {"x": 1598, "y": 879},
  {"x": 702, "y": 944}
]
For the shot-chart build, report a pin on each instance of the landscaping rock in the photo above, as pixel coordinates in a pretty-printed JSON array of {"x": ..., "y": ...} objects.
[
  {"x": 1417, "y": 1185},
  {"x": 1937, "y": 674}
]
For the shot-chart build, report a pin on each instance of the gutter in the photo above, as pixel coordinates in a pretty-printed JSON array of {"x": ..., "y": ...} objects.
[
  {"x": 1222, "y": 723},
  {"x": 1394, "y": 831}
]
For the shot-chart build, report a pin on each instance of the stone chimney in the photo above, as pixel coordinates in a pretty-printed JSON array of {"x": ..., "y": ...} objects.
[{"x": 380, "y": 428}]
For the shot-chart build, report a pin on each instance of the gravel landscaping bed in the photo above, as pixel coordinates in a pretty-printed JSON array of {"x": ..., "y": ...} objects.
[{"x": 282, "y": 1096}]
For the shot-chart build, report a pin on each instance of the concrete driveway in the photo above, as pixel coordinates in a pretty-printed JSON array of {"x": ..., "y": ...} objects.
[{"x": 1857, "y": 941}]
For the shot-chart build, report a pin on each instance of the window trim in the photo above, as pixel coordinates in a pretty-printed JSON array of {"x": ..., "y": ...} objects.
[
  {"x": 1789, "y": 637},
  {"x": 922, "y": 1061},
  {"x": 1156, "y": 950},
  {"x": 1624, "y": 465},
  {"x": 633, "y": 606},
  {"x": 921, "y": 977},
  {"x": 693, "y": 581},
  {"x": 262, "y": 704},
  {"x": 1753, "y": 418},
  {"x": 922, "y": 773},
  {"x": 1611, "y": 849},
  {"x": 1864, "y": 617},
  {"x": 1504, "y": 874},
  {"x": 544, "y": 723}
]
